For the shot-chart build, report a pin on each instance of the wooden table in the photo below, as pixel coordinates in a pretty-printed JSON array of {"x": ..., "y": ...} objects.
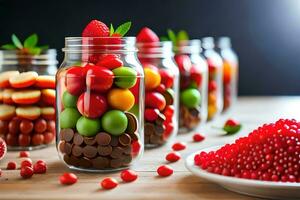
[{"x": 250, "y": 111}]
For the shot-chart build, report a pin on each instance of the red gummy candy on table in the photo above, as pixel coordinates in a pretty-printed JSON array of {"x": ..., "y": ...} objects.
[
  {"x": 11, "y": 165},
  {"x": 24, "y": 154},
  {"x": 40, "y": 168},
  {"x": 231, "y": 122},
  {"x": 178, "y": 146},
  {"x": 68, "y": 179},
  {"x": 128, "y": 175},
  {"x": 26, "y": 172},
  {"x": 173, "y": 156},
  {"x": 146, "y": 35},
  {"x": 109, "y": 183},
  {"x": 197, "y": 137},
  {"x": 27, "y": 162},
  {"x": 164, "y": 170},
  {"x": 95, "y": 29}
]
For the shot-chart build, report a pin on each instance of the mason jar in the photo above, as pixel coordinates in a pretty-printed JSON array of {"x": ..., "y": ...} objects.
[
  {"x": 193, "y": 85},
  {"x": 27, "y": 99},
  {"x": 215, "y": 78},
  {"x": 230, "y": 69},
  {"x": 100, "y": 105},
  {"x": 161, "y": 95}
]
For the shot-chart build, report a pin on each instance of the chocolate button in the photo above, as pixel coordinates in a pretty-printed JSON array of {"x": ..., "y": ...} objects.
[
  {"x": 67, "y": 134},
  {"x": 159, "y": 129},
  {"x": 66, "y": 159},
  {"x": 127, "y": 150},
  {"x": 89, "y": 140},
  {"x": 85, "y": 162},
  {"x": 149, "y": 129},
  {"x": 155, "y": 139},
  {"x": 114, "y": 141},
  {"x": 134, "y": 136},
  {"x": 195, "y": 112},
  {"x": 74, "y": 161},
  {"x": 100, "y": 162},
  {"x": 61, "y": 146},
  {"x": 104, "y": 150},
  {"x": 68, "y": 148},
  {"x": 132, "y": 122},
  {"x": 125, "y": 139},
  {"x": 76, "y": 151},
  {"x": 127, "y": 159},
  {"x": 78, "y": 139},
  {"x": 89, "y": 151},
  {"x": 116, "y": 152},
  {"x": 115, "y": 163},
  {"x": 103, "y": 138}
]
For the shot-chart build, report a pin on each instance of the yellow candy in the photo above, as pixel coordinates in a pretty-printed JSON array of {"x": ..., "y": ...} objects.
[
  {"x": 212, "y": 109},
  {"x": 121, "y": 99},
  {"x": 152, "y": 78}
]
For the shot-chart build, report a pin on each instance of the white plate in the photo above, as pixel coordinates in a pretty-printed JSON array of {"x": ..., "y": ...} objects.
[{"x": 265, "y": 189}]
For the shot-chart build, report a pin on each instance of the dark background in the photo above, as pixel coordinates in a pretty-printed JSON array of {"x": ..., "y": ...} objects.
[{"x": 265, "y": 33}]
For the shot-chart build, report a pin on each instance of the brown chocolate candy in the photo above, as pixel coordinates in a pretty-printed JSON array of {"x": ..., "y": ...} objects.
[
  {"x": 68, "y": 148},
  {"x": 61, "y": 146},
  {"x": 156, "y": 139},
  {"x": 103, "y": 138},
  {"x": 71, "y": 160},
  {"x": 67, "y": 134},
  {"x": 149, "y": 129},
  {"x": 127, "y": 150},
  {"x": 89, "y": 140},
  {"x": 127, "y": 159},
  {"x": 100, "y": 162},
  {"x": 160, "y": 119},
  {"x": 85, "y": 162},
  {"x": 78, "y": 139},
  {"x": 117, "y": 152},
  {"x": 194, "y": 111},
  {"x": 114, "y": 141},
  {"x": 104, "y": 150},
  {"x": 115, "y": 163},
  {"x": 77, "y": 151},
  {"x": 89, "y": 151},
  {"x": 132, "y": 123},
  {"x": 159, "y": 129},
  {"x": 125, "y": 139}
]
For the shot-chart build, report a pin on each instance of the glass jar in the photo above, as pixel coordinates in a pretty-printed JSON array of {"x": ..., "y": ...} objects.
[
  {"x": 230, "y": 72},
  {"x": 193, "y": 85},
  {"x": 27, "y": 98},
  {"x": 215, "y": 78},
  {"x": 100, "y": 105},
  {"x": 161, "y": 98}
]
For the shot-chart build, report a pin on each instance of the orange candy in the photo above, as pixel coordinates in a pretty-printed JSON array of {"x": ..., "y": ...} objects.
[
  {"x": 25, "y": 79},
  {"x": 152, "y": 78},
  {"x": 30, "y": 112},
  {"x": 5, "y": 76},
  {"x": 121, "y": 99},
  {"x": 26, "y": 96},
  {"x": 45, "y": 82}
]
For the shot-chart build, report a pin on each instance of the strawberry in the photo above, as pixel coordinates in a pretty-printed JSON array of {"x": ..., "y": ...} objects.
[
  {"x": 146, "y": 35},
  {"x": 95, "y": 29},
  {"x": 3, "y": 148}
]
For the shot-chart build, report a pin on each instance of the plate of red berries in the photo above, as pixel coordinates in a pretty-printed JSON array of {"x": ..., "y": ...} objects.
[{"x": 266, "y": 163}]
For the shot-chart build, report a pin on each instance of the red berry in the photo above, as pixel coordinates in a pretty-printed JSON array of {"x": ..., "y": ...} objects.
[
  {"x": 164, "y": 170},
  {"x": 68, "y": 179},
  {"x": 27, "y": 162},
  {"x": 37, "y": 139},
  {"x": 40, "y": 125},
  {"x": 99, "y": 79},
  {"x": 95, "y": 29},
  {"x": 51, "y": 126},
  {"x": 151, "y": 114},
  {"x": 11, "y": 140},
  {"x": 110, "y": 61},
  {"x": 24, "y": 154},
  {"x": 91, "y": 105},
  {"x": 24, "y": 140},
  {"x": 231, "y": 122},
  {"x": 26, "y": 172},
  {"x": 146, "y": 35},
  {"x": 109, "y": 183},
  {"x": 128, "y": 175},
  {"x": 75, "y": 80},
  {"x": 197, "y": 137},
  {"x": 40, "y": 168},
  {"x": 196, "y": 75},
  {"x": 178, "y": 146},
  {"x": 3, "y": 148},
  {"x": 173, "y": 156},
  {"x": 26, "y": 126},
  {"x": 11, "y": 165}
]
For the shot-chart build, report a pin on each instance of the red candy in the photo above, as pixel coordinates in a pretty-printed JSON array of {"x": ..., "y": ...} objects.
[
  {"x": 164, "y": 170},
  {"x": 75, "y": 80},
  {"x": 167, "y": 78},
  {"x": 151, "y": 114},
  {"x": 197, "y": 137},
  {"x": 24, "y": 154},
  {"x": 68, "y": 179},
  {"x": 48, "y": 137},
  {"x": 11, "y": 165},
  {"x": 27, "y": 162},
  {"x": 26, "y": 172},
  {"x": 212, "y": 85},
  {"x": 173, "y": 156},
  {"x": 128, "y": 175},
  {"x": 99, "y": 79},
  {"x": 196, "y": 75},
  {"x": 110, "y": 61},
  {"x": 179, "y": 146},
  {"x": 24, "y": 140},
  {"x": 91, "y": 105},
  {"x": 155, "y": 100},
  {"x": 40, "y": 167},
  {"x": 109, "y": 183}
]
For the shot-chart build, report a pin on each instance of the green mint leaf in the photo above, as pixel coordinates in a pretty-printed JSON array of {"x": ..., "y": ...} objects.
[
  {"x": 35, "y": 51},
  {"x": 31, "y": 41},
  {"x": 44, "y": 47},
  {"x": 164, "y": 38},
  {"x": 182, "y": 36},
  {"x": 111, "y": 30},
  {"x": 123, "y": 28},
  {"x": 16, "y": 41},
  {"x": 230, "y": 130},
  {"x": 8, "y": 47},
  {"x": 172, "y": 36}
]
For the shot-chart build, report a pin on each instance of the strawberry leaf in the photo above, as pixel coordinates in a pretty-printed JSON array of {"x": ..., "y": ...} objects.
[
  {"x": 164, "y": 38},
  {"x": 35, "y": 51},
  {"x": 123, "y": 28},
  {"x": 31, "y": 41},
  {"x": 16, "y": 41},
  {"x": 8, "y": 47},
  {"x": 182, "y": 36},
  {"x": 230, "y": 130},
  {"x": 111, "y": 30},
  {"x": 172, "y": 36}
]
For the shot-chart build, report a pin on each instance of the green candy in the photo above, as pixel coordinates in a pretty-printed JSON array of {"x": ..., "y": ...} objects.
[
  {"x": 69, "y": 101},
  {"x": 135, "y": 110},
  {"x": 114, "y": 122},
  {"x": 88, "y": 127},
  {"x": 68, "y": 118},
  {"x": 125, "y": 77},
  {"x": 190, "y": 98}
]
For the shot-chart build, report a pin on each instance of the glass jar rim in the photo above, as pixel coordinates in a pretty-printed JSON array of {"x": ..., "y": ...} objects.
[
  {"x": 155, "y": 49},
  {"x": 188, "y": 46}
]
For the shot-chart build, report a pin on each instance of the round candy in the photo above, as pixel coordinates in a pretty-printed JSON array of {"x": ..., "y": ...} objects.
[
  {"x": 121, "y": 99},
  {"x": 69, "y": 100},
  {"x": 167, "y": 78},
  {"x": 114, "y": 122},
  {"x": 152, "y": 78},
  {"x": 91, "y": 105},
  {"x": 88, "y": 127},
  {"x": 155, "y": 100},
  {"x": 75, "y": 80},
  {"x": 99, "y": 79},
  {"x": 69, "y": 117},
  {"x": 125, "y": 77},
  {"x": 190, "y": 98}
]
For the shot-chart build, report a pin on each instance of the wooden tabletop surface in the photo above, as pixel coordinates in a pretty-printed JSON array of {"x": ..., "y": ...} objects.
[{"x": 250, "y": 111}]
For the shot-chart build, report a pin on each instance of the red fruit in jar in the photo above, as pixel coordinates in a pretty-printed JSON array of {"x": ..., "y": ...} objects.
[
  {"x": 68, "y": 179},
  {"x": 197, "y": 137},
  {"x": 40, "y": 125},
  {"x": 169, "y": 112},
  {"x": 11, "y": 165},
  {"x": 51, "y": 126},
  {"x": 167, "y": 78},
  {"x": 24, "y": 140},
  {"x": 196, "y": 75},
  {"x": 91, "y": 105},
  {"x": 110, "y": 61},
  {"x": 269, "y": 153},
  {"x": 95, "y": 29},
  {"x": 24, "y": 154},
  {"x": 109, "y": 183},
  {"x": 173, "y": 156},
  {"x": 40, "y": 168},
  {"x": 27, "y": 162},
  {"x": 3, "y": 127},
  {"x": 3, "y": 148},
  {"x": 75, "y": 80},
  {"x": 161, "y": 88},
  {"x": 14, "y": 126},
  {"x": 178, "y": 146},
  {"x": 184, "y": 63},
  {"x": 155, "y": 100},
  {"x": 164, "y": 170},
  {"x": 212, "y": 86},
  {"x": 26, "y": 126},
  {"x": 99, "y": 79},
  {"x": 48, "y": 137},
  {"x": 146, "y": 35},
  {"x": 11, "y": 140},
  {"x": 151, "y": 114},
  {"x": 26, "y": 172},
  {"x": 37, "y": 139},
  {"x": 129, "y": 175}
]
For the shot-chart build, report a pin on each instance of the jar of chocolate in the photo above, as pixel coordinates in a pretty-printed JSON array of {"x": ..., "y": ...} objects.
[
  {"x": 193, "y": 85},
  {"x": 161, "y": 95},
  {"x": 100, "y": 105},
  {"x": 215, "y": 78},
  {"x": 230, "y": 72},
  {"x": 27, "y": 98}
]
